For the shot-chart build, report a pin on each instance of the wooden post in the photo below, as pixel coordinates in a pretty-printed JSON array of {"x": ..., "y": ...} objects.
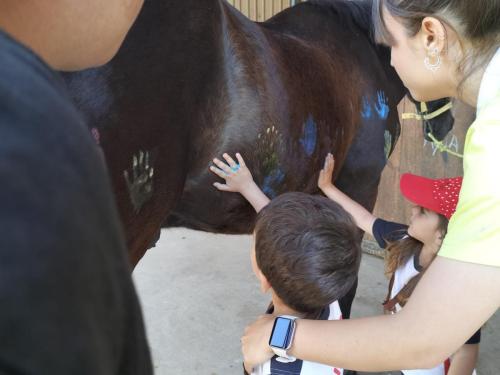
[{"x": 261, "y": 10}]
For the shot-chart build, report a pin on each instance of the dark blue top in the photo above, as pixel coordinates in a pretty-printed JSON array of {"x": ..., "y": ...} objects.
[
  {"x": 67, "y": 302},
  {"x": 388, "y": 231}
]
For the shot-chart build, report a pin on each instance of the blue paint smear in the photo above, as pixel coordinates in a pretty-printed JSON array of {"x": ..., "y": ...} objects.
[
  {"x": 270, "y": 182},
  {"x": 366, "y": 112},
  {"x": 382, "y": 107},
  {"x": 310, "y": 136}
]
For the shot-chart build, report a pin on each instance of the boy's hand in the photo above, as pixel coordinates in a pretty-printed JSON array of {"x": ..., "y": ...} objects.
[
  {"x": 237, "y": 175},
  {"x": 325, "y": 175}
]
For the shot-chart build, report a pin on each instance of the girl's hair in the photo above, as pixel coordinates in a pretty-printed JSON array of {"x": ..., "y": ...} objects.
[
  {"x": 398, "y": 252},
  {"x": 476, "y": 21}
]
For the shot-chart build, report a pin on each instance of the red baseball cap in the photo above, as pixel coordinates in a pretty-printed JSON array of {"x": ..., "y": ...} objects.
[{"x": 440, "y": 195}]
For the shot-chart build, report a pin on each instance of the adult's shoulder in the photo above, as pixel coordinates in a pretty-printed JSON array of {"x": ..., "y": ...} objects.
[
  {"x": 53, "y": 176},
  {"x": 474, "y": 230},
  {"x": 39, "y": 125}
]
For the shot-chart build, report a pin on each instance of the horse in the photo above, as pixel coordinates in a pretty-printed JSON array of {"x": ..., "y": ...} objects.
[{"x": 197, "y": 78}]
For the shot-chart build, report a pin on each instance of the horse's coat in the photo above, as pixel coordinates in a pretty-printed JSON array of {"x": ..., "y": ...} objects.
[{"x": 195, "y": 78}]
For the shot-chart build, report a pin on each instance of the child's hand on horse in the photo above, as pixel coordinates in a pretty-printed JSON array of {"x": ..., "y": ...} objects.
[
  {"x": 325, "y": 175},
  {"x": 236, "y": 175}
]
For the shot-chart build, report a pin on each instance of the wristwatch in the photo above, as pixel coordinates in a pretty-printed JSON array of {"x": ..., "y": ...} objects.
[{"x": 282, "y": 337}]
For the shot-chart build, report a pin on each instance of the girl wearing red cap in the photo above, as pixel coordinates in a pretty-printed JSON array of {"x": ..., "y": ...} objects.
[
  {"x": 439, "y": 48},
  {"x": 410, "y": 248}
]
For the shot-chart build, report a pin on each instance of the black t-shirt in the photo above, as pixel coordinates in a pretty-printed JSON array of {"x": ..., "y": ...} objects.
[
  {"x": 388, "y": 231},
  {"x": 67, "y": 301}
]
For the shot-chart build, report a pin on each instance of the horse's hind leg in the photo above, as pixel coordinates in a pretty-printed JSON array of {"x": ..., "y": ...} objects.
[{"x": 346, "y": 301}]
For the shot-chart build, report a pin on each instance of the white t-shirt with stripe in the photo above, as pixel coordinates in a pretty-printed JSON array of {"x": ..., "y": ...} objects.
[{"x": 299, "y": 367}]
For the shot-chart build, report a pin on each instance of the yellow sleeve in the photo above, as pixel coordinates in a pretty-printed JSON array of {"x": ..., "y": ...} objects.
[{"x": 474, "y": 230}]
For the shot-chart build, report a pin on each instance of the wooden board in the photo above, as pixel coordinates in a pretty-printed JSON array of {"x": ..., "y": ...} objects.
[
  {"x": 414, "y": 155},
  {"x": 261, "y": 10}
]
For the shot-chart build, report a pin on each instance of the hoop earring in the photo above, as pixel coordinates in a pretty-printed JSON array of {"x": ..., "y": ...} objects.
[{"x": 433, "y": 67}]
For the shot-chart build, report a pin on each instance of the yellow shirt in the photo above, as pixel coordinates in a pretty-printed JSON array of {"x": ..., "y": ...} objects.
[{"x": 474, "y": 230}]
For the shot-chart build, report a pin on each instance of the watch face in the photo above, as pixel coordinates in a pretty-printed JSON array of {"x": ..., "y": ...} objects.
[{"x": 280, "y": 333}]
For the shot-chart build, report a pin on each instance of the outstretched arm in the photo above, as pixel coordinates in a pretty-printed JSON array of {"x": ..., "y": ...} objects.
[
  {"x": 464, "y": 360},
  {"x": 239, "y": 180},
  {"x": 434, "y": 323},
  {"x": 363, "y": 218}
]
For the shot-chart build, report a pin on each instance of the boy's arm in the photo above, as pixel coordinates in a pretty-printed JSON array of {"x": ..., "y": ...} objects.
[
  {"x": 239, "y": 180},
  {"x": 464, "y": 360},
  {"x": 363, "y": 218}
]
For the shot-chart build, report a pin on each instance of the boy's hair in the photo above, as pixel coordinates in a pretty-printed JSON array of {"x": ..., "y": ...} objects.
[{"x": 308, "y": 247}]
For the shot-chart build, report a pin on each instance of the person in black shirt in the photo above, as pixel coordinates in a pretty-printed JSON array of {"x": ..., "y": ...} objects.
[{"x": 67, "y": 301}]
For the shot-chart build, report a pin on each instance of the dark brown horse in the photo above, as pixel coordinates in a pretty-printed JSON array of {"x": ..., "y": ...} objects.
[{"x": 196, "y": 78}]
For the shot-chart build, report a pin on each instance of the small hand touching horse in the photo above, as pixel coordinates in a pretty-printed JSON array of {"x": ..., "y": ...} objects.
[{"x": 238, "y": 179}]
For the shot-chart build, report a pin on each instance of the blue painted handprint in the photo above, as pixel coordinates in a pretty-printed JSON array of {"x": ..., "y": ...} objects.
[
  {"x": 382, "y": 107},
  {"x": 274, "y": 179},
  {"x": 269, "y": 146},
  {"x": 366, "y": 112},
  {"x": 309, "y": 137}
]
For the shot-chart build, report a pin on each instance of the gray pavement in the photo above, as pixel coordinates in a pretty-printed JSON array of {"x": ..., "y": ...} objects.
[{"x": 198, "y": 293}]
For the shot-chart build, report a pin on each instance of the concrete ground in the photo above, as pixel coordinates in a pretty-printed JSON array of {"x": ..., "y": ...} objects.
[{"x": 198, "y": 293}]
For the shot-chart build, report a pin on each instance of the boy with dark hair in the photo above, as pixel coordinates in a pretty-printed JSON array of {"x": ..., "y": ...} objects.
[
  {"x": 307, "y": 250},
  {"x": 307, "y": 255}
]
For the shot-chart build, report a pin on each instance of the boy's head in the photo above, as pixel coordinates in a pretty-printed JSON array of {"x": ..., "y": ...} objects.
[{"x": 308, "y": 249}]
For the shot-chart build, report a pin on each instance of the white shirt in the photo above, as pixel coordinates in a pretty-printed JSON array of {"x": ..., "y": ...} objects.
[
  {"x": 401, "y": 277},
  {"x": 299, "y": 366}
]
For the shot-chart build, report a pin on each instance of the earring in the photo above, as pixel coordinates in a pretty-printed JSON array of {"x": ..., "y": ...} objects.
[{"x": 433, "y": 67}]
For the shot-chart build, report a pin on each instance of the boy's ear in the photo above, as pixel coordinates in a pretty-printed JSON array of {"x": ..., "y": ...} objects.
[{"x": 265, "y": 286}]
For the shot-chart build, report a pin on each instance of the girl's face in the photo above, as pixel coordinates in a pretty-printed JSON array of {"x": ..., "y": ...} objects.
[
  {"x": 424, "y": 225},
  {"x": 408, "y": 55}
]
